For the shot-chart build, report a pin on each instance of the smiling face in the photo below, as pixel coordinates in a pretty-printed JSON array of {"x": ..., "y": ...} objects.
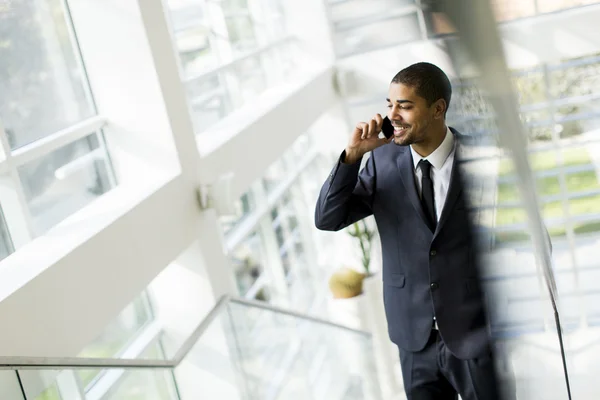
[{"x": 410, "y": 114}]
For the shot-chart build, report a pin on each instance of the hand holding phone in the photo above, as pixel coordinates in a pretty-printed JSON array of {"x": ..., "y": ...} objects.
[
  {"x": 387, "y": 128},
  {"x": 365, "y": 138}
]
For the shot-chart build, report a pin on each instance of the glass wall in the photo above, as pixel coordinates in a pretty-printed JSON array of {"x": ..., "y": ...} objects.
[
  {"x": 117, "y": 336},
  {"x": 504, "y": 11},
  {"x": 273, "y": 245},
  {"x": 229, "y": 53},
  {"x": 42, "y": 79},
  {"x": 55, "y": 158},
  {"x": 557, "y": 108},
  {"x": 6, "y": 246},
  {"x": 360, "y": 26}
]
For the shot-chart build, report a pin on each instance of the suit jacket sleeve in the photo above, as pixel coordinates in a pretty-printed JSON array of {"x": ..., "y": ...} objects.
[{"x": 346, "y": 196}]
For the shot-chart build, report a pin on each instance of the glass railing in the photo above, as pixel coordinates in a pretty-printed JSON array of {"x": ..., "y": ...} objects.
[{"x": 241, "y": 350}]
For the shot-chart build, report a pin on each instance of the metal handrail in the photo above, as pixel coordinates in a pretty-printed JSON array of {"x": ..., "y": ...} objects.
[{"x": 20, "y": 362}]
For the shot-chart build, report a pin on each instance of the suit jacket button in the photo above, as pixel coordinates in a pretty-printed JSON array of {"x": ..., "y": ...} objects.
[
  {"x": 434, "y": 286},
  {"x": 432, "y": 253}
]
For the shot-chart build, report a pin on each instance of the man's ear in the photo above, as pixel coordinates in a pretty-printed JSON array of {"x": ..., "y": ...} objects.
[{"x": 439, "y": 108}]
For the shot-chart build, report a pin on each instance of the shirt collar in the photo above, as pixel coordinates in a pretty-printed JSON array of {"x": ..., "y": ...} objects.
[{"x": 439, "y": 155}]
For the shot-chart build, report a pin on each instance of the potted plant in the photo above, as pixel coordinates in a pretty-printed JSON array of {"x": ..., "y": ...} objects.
[{"x": 347, "y": 282}]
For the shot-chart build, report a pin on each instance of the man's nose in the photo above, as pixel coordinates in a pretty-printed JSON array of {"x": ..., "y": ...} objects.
[{"x": 394, "y": 115}]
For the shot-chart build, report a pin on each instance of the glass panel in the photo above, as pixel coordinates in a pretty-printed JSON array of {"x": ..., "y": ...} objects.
[
  {"x": 520, "y": 313},
  {"x": 192, "y": 36},
  {"x": 137, "y": 385},
  {"x": 64, "y": 181},
  {"x": 299, "y": 150},
  {"x": 574, "y": 78},
  {"x": 244, "y": 206},
  {"x": 275, "y": 175},
  {"x": 354, "y": 37},
  {"x": 248, "y": 262},
  {"x": 250, "y": 79},
  {"x": 195, "y": 51},
  {"x": 6, "y": 246},
  {"x": 349, "y": 9},
  {"x": 313, "y": 360},
  {"x": 117, "y": 335},
  {"x": 242, "y": 36},
  {"x": 9, "y": 383},
  {"x": 129, "y": 384},
  {"x": 530, "y": 87},
  {"x": 234, "y": 5},
  {"x": 43, "y": 87},
  {"x": 214, "y": 96},
  {"x": 52, "y": 393},
  {"x": 211, "y": 370}
]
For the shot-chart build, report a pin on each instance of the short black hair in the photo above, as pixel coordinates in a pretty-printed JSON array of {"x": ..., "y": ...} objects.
[{"x": 429, "y": 81}]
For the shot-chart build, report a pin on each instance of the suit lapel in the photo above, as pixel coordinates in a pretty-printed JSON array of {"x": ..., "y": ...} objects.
[
  {"x": 406, "y": 169},
  {"x": 455, "y": 187}
]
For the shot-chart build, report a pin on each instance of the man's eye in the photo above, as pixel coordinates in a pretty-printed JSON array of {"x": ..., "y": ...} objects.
[{"x": 405, "y": 108}]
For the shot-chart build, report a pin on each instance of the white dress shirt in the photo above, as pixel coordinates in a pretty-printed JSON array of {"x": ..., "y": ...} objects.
[{"x": 441, "y": 161}]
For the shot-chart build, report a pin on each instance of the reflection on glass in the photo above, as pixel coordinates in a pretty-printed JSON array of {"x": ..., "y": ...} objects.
[
  {"x": 145, "y": 385},
  {"x": 249, "y": 74},
  {"x": 566, "y": 106},
  {"x": 214, "y": 96},
  {"x": 6, "y": 246},
  {"x": 318, "y": 361},
  {"x": 42, "y": 82},
  {"x": 206, "y": 39},
  {"x": 234, "y": 5},
  {"x": 275, "y": 175},
  {"x": 117, "y": 335},
  {"x": 354, "y": 37},
  {"x": 192, "y": 36},
  {"x": 358, "y": 9},
  {"x": 243, "y": 207},
  {"x": 65, "y": 180},
  {"x": 296, "y": 269},
  {"x": 194, "y": 50},
  {"x": 577, "y": 77},
  {"x": 299, "y": 149},
  {"x": 241, "y": 34},
  {"x": 558, "y": 105},
  {"x": 530, "y": 86},
  {"x": 51, "y": 393},
  {"x": 248, "y": 262},
  {"x": 11, "y": 387}
]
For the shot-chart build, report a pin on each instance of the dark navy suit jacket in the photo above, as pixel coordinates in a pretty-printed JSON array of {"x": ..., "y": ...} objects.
[{"x": 425, "y": 273}]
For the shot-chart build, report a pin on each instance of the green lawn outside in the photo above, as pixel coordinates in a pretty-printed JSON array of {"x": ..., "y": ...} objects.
[
  {"x": 547, "y": 186},
  {"x": 547, "y": 160}
]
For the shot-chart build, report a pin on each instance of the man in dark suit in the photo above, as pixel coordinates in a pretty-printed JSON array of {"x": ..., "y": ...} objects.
[{"x": 412, "y": 185}]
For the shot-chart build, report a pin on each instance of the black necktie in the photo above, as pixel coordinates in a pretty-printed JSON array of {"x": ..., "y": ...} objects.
[{"x": 427, "y": 194}]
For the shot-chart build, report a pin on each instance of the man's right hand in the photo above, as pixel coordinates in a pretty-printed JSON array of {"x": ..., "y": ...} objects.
[{"x": 365, "y": 138}]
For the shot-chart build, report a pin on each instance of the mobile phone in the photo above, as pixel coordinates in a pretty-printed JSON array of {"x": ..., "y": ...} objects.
[{"x": 387, "y": 128}]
